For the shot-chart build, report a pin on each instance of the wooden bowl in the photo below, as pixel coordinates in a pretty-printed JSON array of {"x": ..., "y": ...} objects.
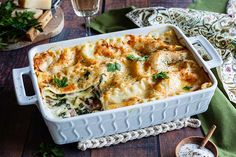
[{"x": 196, "y": 140}]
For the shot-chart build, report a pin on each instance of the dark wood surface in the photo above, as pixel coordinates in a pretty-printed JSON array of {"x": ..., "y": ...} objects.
[{"x": 22, "y": 128}]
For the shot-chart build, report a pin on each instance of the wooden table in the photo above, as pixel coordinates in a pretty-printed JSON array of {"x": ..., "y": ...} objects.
[{"x": 22, "y": 129}]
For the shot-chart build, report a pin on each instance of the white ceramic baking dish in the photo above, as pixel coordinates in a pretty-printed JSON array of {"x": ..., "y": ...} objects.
[{"x": 122, "y": 119}]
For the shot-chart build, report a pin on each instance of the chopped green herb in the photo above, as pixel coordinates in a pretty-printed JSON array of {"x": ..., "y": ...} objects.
[
  {"x": 159, "y": 76},
  {"x": 233, "y": 42},
  {"x": 113, "y": 67},
  {"x": 68, "y": 106},
  {"x": 61, "y": 102},
  {"x": 49, "y": 150},
  {"x": 81, "y": 110},
  {"x": 60, "y": 95},
  {"x": 86, "y": 74},
  {"x": 187, "y": 87},
  {"x": 62, "y": 114},
  {"x": 133, "y": 58},
  {"x": 144, "y": 58},
  {"x": 60, "y": 83}
]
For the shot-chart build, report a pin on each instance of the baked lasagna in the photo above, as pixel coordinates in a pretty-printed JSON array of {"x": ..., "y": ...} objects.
[{"x": 116, "y": 72}]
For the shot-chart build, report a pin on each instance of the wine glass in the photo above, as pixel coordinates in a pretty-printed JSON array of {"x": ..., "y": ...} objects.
[{"x": 86, "y": 9}]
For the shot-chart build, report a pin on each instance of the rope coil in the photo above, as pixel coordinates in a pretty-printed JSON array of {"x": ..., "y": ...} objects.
[{"x": 138, "y": 134}]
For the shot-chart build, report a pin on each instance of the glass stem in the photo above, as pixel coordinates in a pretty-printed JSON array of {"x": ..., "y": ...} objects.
[{"x": 87, "y": 24}]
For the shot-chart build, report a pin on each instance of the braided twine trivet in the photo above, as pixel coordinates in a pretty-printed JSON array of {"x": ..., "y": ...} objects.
[{"x": 138, "y": 134}]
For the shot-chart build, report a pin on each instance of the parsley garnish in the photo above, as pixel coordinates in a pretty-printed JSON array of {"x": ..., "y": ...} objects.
[
  {"x": 13, "y": 28},
  {"x": 144, "y": 58},
  {"x": 113, "y": 67},
  {"x": 133, "y": 58},
  {"x": 60, "y": 83},
  {"x": 49, "y": 150},
  {"x": 159, "y": 76},
  {"x": 187, "y": 87}
]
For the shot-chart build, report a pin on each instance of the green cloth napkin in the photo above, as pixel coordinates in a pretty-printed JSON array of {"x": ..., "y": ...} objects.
[
  {"x": 113, "y": 20},
  {"x": 210, "y": 5},
  {"x": 221, "y": 111}
]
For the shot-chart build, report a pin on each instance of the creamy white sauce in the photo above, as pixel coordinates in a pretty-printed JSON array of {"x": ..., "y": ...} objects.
[{"x": 194, "y": 150}]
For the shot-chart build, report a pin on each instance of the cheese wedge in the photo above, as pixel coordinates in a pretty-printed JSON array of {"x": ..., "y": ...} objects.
[
  {"x": 43, "y": 20},
  {"x": 38, "y": 4},
  {"x": 37, "y": 12}
]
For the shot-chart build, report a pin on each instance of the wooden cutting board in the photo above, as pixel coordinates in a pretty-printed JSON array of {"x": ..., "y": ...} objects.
[{"x": 53, "y": 28}]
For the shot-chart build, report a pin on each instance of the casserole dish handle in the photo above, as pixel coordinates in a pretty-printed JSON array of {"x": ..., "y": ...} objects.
[
  {"x": 215, "y": 59},
  {"x": 21, "y": 96}
]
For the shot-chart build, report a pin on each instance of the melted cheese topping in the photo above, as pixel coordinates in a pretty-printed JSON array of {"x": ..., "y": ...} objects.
[{"x": 118, "y": 72}]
